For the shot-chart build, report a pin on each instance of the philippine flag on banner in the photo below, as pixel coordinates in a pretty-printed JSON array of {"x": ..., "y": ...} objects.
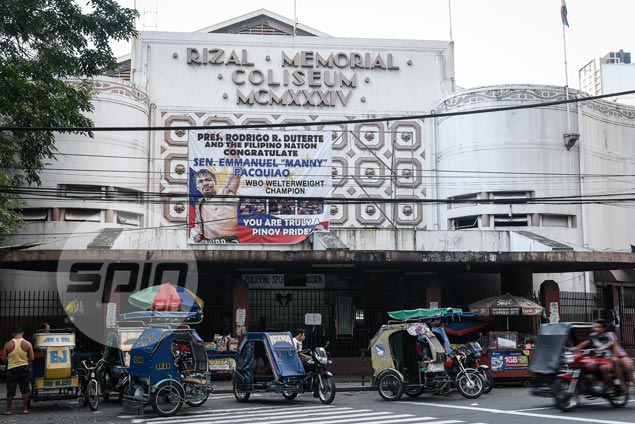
[{"x": 563, "y": 14}]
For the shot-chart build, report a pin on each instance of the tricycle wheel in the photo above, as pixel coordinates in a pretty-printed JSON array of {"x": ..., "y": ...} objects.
[
  {"x": 167, "y": 399},
  {"x": 326, "y": 391},
  {"x": 290, "y": 395},
  {"x": 123, "y": 389},
  {"x": 414, "y": 391},
  {"x": 91, "y": 394},
  {"x": 470, "y": 384},
  {"x": 564, "y": 400},
  {"x": 390, "y": 386},
  {"x": 239, "y": 394}
]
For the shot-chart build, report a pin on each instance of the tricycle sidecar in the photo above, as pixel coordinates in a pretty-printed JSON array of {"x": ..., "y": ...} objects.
[
  {"x": 269, "y": 362},
  {"x": 168, "y": 367}
]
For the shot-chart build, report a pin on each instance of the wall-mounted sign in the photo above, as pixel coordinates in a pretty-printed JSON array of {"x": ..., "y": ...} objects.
[{"x": 313, "y": 319}]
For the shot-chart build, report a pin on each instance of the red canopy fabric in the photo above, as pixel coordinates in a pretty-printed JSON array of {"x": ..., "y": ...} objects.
[{"x": 167, "y": 299}]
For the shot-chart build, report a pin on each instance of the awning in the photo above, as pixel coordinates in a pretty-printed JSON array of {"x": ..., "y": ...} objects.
[{"x": 615, "y": 276}]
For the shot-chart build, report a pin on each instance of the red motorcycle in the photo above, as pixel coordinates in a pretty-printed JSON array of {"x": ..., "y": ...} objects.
[{"x": 584, "y": 377}]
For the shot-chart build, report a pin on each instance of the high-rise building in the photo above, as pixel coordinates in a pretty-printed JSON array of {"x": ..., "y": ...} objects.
[{"x": 612, "y": 73}]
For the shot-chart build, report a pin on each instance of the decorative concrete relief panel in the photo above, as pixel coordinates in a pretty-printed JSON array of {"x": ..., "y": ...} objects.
[
  {"x": 338, "y": 212},
  {"x": 369, "y": 136},
  {"x": 370, "y": 172},
  {"x": 370, "y": 213},
  {"x": 178, "y": 137},
  {"x": 175, "y": 168},
  {"x": 213, "y": 120},
  {"x": 339, "y": 134},
  {"x": 339, "y": 172},
  {"x": 406, "y": 136},
  {"x": 409, "y": 213},
  {"x": 409, "y": 173},
  {"x": 175, "y": 211}
]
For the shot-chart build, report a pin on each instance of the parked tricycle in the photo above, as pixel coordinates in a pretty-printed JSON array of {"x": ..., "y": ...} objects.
[
  {"x": 399, "y": 368},
  {"x": 168, "y": 367},
  {"x": 112, "y": 367},
  {"x": 55, "y": 377},
  {"x": 269, "y": 362}
]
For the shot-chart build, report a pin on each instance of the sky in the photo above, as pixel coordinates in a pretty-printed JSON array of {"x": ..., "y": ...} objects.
[{"x": 496, "y": 41}]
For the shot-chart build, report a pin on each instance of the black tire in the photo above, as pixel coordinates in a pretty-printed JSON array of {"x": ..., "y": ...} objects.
[
  {"x": 239, "y": 394},
  {"x": 197, "y": 403},
  {"x": 414, "y": 391},
  {"x": 122, "y": 388},
  {"x": 488, "y": 381},
  {"x": 290, "y": 395},
  {"x": 618, "y": 398},
  {"x": 564, "y": 400},
  {"x": 470, "y": 384},
  {"x": 91, "y": 394},
  {"x": 326, "y": 392},
  {"x": 167, "y": 399},
  {"x": 390, "y": 386}
]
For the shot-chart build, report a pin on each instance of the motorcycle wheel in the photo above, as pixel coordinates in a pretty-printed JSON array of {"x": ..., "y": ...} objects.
[
  {"x": 123, "y": 388},
  {"x": 618, "y": 398},
  {"x": 414, "y": 391},
  {"x": 239, "y": 394},
  {"x": 470, "y": 384},
  {"x": 197, "y": 403},
  {"x": 488, "y": 381},
  {"x": 390, "y": 386},
  {"x": 91, "y": 394},
  {"x": 167, "y": 399},
  {"x": 564, "y": 400},
  {"x": 290, "y": 395},
  {"x": 326, "y": 392}
]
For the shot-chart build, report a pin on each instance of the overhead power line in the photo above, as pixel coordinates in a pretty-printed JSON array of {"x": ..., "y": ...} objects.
[{"x": 304, "y": 124}]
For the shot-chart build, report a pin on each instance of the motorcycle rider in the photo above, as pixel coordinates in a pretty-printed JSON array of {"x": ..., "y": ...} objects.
[{"x": 600, "y": 341}]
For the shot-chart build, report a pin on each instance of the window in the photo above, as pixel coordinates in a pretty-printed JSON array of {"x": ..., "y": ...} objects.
[
  {"x": 127, "y": 195},
  {"x": 83, "y": 191},
  {"x": 511, "y": 195},
  {"x": 464, "y": 222},
  {"x": 92, "y": 215},
  {"x": 463, "y": 200},
  {"x": 35, "y": 214},
  {"x": 127, "y": 218},
  {"x": 555, "y": 220},
  {"x": 511, "y": 221}
]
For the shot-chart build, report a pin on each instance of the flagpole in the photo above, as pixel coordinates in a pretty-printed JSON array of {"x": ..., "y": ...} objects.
[
  {"x": 450, "y": 17},
  {"x": 566, "y": 77}
]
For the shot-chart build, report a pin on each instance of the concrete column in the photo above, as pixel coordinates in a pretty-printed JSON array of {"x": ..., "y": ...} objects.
[
  {"x": 240, "y": 307},
  {"x": 549, "y": 294},
  {"x": 517, "y": 281},
  {"x": 110, "y": 214},
  {"x": 433, "y": 293},
  {"x": 56, "y": 214}
]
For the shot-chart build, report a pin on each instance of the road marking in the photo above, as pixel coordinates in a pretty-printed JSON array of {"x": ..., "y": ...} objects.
[
  {"x": 525, "y": 414},
  {"x": 606, "y": 402},
  {"x": 243, "y": 411}
]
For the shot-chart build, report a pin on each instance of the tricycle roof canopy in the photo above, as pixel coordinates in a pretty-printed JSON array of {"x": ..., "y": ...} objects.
[{"x": 434, "y": 313}]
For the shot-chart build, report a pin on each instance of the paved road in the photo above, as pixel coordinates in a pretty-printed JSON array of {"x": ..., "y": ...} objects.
[{"x": 502, "y": 406}]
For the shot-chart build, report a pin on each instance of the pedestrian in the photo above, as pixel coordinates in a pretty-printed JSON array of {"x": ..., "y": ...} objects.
[{"x": 18, "y": 353}]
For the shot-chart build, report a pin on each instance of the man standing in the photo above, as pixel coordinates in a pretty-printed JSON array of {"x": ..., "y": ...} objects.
[
  {"x": 19, "y": 353},
  {"x": 216, "y": 218}
]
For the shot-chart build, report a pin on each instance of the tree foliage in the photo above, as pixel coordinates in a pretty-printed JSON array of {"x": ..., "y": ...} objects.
[{"x": 49, "y": 50}]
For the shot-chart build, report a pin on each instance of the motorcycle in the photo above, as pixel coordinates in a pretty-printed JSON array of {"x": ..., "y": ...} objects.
[
  {"x": 317, "y": 378},
  {"x": 584, "y": 377},
  {"x": 473, "y": 360}
]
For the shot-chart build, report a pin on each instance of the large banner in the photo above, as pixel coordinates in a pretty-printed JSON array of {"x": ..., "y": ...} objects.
[{"x": 256, "y": 186}]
